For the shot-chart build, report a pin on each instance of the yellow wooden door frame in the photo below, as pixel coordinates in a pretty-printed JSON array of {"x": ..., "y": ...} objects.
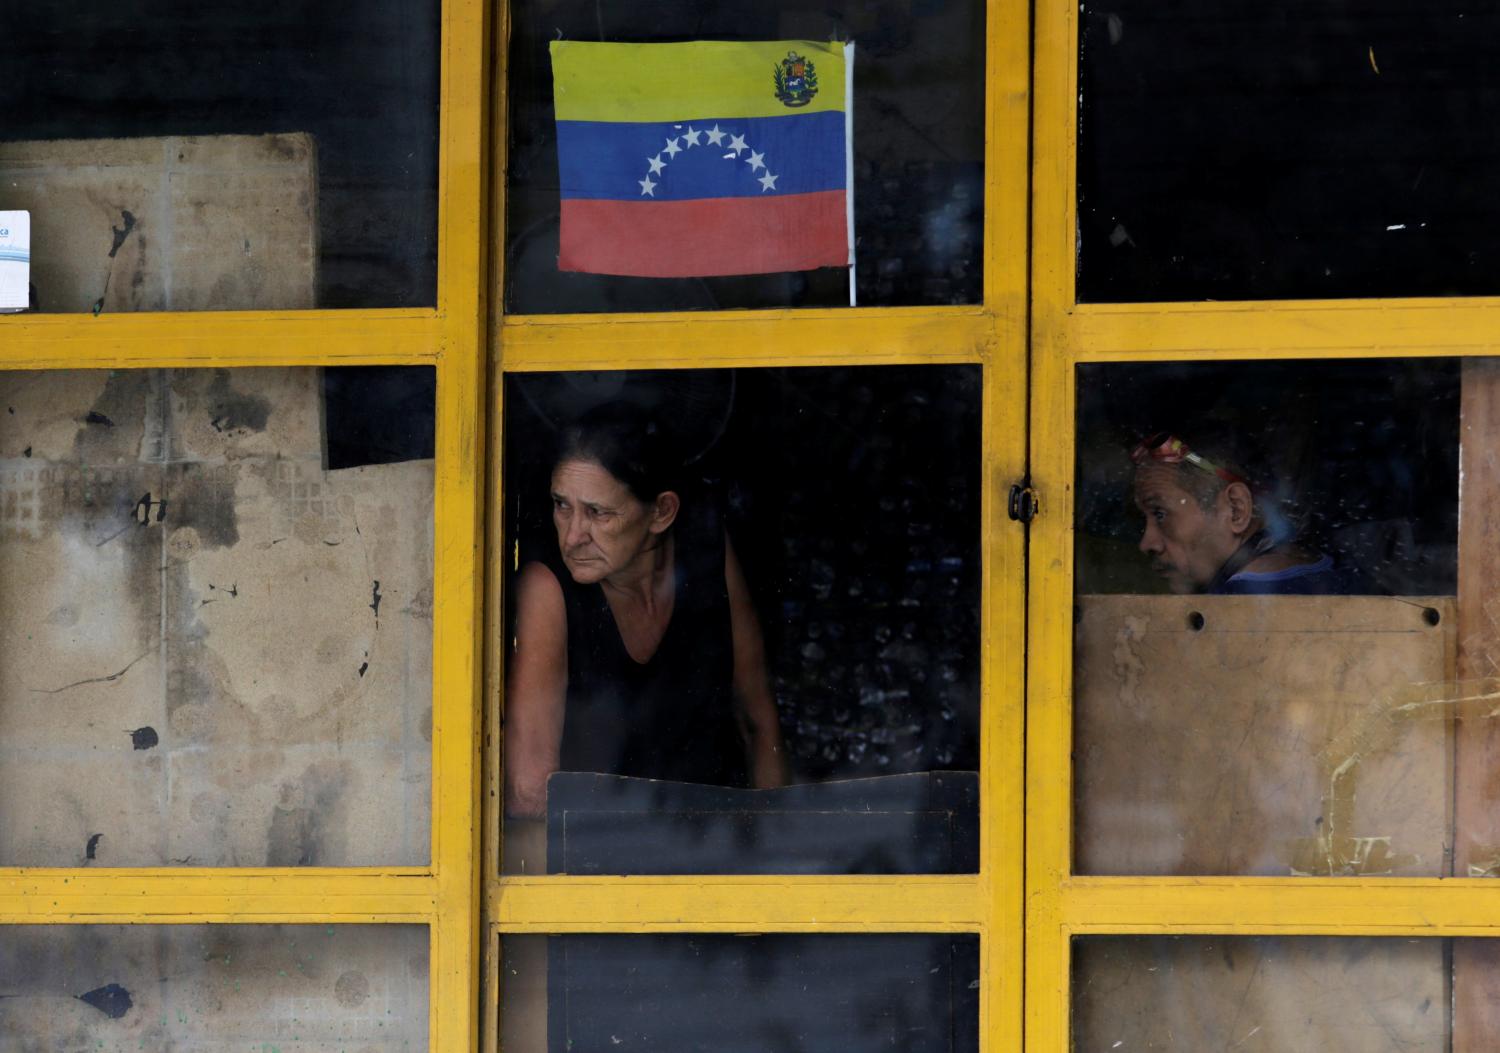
[
  {"x": 444, "y": 895},
  {"x": 1066, "y": 334},
  {"x": 992, "y": 334}
]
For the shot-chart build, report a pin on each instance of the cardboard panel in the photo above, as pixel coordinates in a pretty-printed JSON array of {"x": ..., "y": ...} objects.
[
  {"x": 215, "y": 988},
  {"x": 213, "y": 652},
  {"x": 1259, "y": 994},
  {"x": 168, "y": 224},
  {"x": 1287, "y": 735}
]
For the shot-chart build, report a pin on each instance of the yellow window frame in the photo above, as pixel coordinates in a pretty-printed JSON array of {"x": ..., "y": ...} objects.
[
  {"x": 992, "y": 334},
  {"x": 1065, "y": 334},
  {"x": 444, "y": 896}
]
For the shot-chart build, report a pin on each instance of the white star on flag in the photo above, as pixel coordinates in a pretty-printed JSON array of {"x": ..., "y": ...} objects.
[
  {"x": 672, "y": 149},
  {"x": 715, "y": 137},
  {"x": 647, "y": 187},
  {"x": 737, "y": 143},
  {"x": 691, "y": 137},
  {"x": 756, "y": 161},
  {"x": 767, "y": 182},
  {"x": 656, "y": 163}
]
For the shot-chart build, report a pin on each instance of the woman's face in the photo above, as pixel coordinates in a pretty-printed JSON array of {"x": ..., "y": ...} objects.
[{"x": 602, "y": 528}]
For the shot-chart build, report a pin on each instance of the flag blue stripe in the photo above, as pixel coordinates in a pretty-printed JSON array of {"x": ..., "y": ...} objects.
[{"x": 600, "y": 160}]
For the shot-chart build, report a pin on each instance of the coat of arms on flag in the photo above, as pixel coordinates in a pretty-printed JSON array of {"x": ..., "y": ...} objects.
[{"x": 704, "y": 158}]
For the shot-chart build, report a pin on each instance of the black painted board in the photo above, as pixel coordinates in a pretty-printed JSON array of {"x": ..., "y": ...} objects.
[
  {"x": 923, "y": 823},
  {"x": 839, "y": 993}
]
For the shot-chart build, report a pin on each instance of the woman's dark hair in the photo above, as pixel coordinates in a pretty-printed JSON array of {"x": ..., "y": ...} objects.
[{"x": 627, "y": 443}]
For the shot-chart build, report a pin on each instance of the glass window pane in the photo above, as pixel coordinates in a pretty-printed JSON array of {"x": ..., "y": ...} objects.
[
  {"x": 214, "y": 988},
  {"x": 1272, "y": 608},
  {"x": 1284, "y": 151},
  {"x": 750, "y": 644},
  {"x": 1263, "y": 994},
  {"x": 705, "y": 991},
  {"x": 223, "y": 156},
  {"x": 712, "y": 235},
  {"x": 215, "y": 617}
]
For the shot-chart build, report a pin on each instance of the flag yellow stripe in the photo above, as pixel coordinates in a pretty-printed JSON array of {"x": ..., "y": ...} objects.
[{"x": 687, "y": 81}]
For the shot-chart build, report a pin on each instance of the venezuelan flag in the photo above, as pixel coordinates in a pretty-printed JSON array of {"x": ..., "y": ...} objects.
[{"x": 703, "y": 158}]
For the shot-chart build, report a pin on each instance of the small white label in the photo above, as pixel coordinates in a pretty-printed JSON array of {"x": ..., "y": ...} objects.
[{"x": 15, "y": 260}]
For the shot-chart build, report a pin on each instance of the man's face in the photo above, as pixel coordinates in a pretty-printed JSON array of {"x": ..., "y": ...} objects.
[{"x": 1187, "y": 543}]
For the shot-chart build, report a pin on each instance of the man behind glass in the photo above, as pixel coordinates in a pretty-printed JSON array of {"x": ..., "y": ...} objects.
[{"x": 1207, "y": 529}]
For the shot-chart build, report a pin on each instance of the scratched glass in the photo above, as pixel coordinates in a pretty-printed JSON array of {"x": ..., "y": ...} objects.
[
  {"x": 917, "y": 167},
  {"x": 216, "y": 617},
  {"x": 1282, "y": 644},
  {"x": 202, "y": 155},
  {"x": 1268, "y": 994},
  {"x": 214, "y": 988},
  {"x": 808, "y": 702},
  {"x": 1283, "y": 150},
  {"x": 784, "y": 994}
]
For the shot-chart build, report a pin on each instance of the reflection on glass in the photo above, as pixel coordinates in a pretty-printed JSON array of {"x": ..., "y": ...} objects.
[
  {"x": 917, "y": 167},
  {"x": 214, "y": 987},
  {"x": 1270, "y": 994},
  {"x": 216, "y": 642},
  {"x": 731, "y": 589},
  {"x": 784, "y": 994},
  {"x": 221, "y": 156},
  {"x": 1267, "y": 610}
]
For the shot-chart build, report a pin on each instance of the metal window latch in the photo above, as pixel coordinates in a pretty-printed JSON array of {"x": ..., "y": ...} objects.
[{"x": 1023, "y": 506}]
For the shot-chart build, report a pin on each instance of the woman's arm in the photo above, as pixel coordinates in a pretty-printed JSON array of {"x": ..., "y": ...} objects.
[
  {"x": 755, "y": 705},
  {"x": 536, "y": 690}
]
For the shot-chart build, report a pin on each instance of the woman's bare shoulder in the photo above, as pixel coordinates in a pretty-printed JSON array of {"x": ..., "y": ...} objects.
[{"x": 538, "y": 592}]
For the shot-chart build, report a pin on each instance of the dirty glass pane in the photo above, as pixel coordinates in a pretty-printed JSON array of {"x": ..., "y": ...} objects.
[
  {"x": 215, "y": 640},
  {"x": 760, "y": 655},
  {"x": 1285, "y": 150},
  {"x": 917, "y": 167},
  {"x": 214, "y": 988},
  {"x": 1282, "y": 605},
  {"x": 783, "y": 994},
  {"x": 215, "y": 155},
  {"x": 1266, "y": 994}
]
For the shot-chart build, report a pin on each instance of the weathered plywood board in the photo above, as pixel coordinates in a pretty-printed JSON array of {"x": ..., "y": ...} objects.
[
  {"x": 1306, "y": 735},
  {"x": 1476, "y": 843},
  {"x": 215, "y": 989},
  {"x": 213, "y": 652},
  {"x": 182, "y": 223},
  {"x": 1259, "y": 995}
]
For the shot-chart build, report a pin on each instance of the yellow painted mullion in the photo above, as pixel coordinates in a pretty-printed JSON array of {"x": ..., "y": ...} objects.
[
  {"x": 1049, "y": 662},
  {"x": 149, "y": 896},
  {"x": 462, "y": 163},
  {"x": 1337, "y": 906},
  {"x": 457, "y": 623},
  {"x": 1048, "y": 965},
  {"x": 750, "y": 338},
  {"x": 1054, "y": 151},
  {"x": 1287, "y": 329},
  {"x": 493, "y": 558},
  {"x": 221, "y": 339},
  {"x": 458, "y": 512},
  {"x": 648, "y": 319},
  {"x": 1002, "y": 697},
  {"x": 741, "y": 904}
]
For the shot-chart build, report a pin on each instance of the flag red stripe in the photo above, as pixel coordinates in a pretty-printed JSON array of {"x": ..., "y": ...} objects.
[{"x": 686, "y": 239}]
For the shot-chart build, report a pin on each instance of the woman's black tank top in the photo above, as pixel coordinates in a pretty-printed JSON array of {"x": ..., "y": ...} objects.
[{"x": 671, "y": 717}]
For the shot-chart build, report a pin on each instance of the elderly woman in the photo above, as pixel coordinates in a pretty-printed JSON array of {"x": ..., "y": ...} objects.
[{"x": 637, "y": 650}]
